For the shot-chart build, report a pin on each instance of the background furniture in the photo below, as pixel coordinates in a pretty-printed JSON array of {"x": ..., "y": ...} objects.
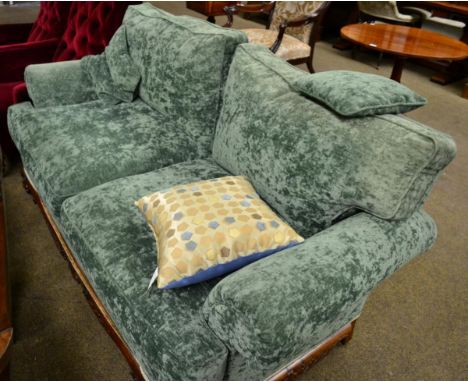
[
  {"x": 209, "y": 8},
  {"x": 23, "y": 44},
  {"x": 446, "y": 71},
  {"x": 292, "y": 31},
  {"x": 61, "y": 32},
  {"x": 442, "y": 25},
  {"x": 386, "y": 11},
  {"x": 405, "y": 42},
  {"x": 6, "y": 326},
  {"x": 383, "y": 11}
]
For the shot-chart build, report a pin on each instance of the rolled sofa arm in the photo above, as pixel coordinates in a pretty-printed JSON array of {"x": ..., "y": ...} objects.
[
  {"x": 280, "y": 307},
  {"x": 58, "y": 83}
]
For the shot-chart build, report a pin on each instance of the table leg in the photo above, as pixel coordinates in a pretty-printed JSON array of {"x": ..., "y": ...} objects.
[
  {"x": 211, "y": 19},
  {"x": 465, "y": 91},
  {"x": 397, "y": 69}
]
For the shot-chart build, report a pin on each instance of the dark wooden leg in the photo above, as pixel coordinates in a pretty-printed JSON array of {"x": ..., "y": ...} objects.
[
  {"x": 397, "y": 69},
  {"x": 349, "y": 337},
  {"x": 465, "y": 91},
  {"x": 342, "y": 45},
  {"x": 449, "y": 72},
  {"x": 310, "y": 64},
  {"x": 5, "y": 373},
  {"x": 297, "y": 367},
  {"x": 211, "y": 19}
]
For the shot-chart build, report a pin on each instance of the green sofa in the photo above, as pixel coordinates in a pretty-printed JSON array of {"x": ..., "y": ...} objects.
[{"x": 196, "y": 103}]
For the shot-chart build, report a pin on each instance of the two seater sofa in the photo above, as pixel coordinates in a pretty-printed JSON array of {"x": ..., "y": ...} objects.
[{"x": 175, "y": 100}]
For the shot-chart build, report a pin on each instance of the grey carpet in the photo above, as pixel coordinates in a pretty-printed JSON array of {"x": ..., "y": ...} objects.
[{"x": 414, "y": 326}]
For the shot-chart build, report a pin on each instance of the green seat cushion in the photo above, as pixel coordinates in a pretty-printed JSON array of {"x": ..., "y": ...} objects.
[
  {"x": 183, "y": 62},
  {"x": 312, "y": 165},
  {"x": 116, "y": 249},
  {"x": 69, "y": 149},
  {"x": 354, "y": 94}
]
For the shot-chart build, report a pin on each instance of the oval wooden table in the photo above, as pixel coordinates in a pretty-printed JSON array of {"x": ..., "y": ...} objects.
[{"x": 405, "y": 42}]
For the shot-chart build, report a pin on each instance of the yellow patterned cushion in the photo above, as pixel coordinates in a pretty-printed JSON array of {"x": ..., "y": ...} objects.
[{"x": 209, "y": 228}]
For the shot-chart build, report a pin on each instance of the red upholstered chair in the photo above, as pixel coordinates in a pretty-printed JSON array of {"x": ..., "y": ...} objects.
[{"x": 87, "y": 29}]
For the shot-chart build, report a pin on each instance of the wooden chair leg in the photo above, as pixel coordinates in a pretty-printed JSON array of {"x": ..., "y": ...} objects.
[{"x": 310, "y": 64}]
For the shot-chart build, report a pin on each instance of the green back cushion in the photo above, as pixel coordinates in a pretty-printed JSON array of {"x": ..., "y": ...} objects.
[
  {"x": 183, "y": 63},
  {"x": 309, "y": 163},
  {"x": 114, "y": 75}
]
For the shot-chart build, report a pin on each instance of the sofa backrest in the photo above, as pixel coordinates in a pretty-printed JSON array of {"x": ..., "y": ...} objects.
[
  {"x": 51, "y": 20},
  {"x": 90, "y": 26},
  {"x": 183, "y": 63},
  {"x": 312, "y": 165}
]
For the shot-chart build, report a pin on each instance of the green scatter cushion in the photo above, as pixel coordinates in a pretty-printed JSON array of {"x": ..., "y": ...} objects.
[
  {"x": 69, "y": 149},
  {"x": 115, "y": 247},
  {"x": 354, "y": 94},
  {"x": 183, "y": 62},
  {"x": 312, "y": 165},
  {"x": 113, "y": 73}
]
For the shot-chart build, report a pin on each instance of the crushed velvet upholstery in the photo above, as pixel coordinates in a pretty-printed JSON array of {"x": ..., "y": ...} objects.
[
  {"x": 323, "y": 285},
  {"x": 22, "y": 44},
  {"x": 183, "y": 63},
  {"x": 116, "y": 249},
  {"x": 68, "y": 149},
  {"x": 114, "y": 74},
  {"x": 63, "y": 83},
  {"x": 354, "y": 94},
  {"x": 309, "y": 163},
  {"x": 173, "y": 121},
  {"x": 51, "y": 20},
  {"x": 62, "y": 31}
]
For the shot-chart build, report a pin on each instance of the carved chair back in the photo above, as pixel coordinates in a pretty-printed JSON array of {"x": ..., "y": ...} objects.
[{"x": 292, "y": 10}]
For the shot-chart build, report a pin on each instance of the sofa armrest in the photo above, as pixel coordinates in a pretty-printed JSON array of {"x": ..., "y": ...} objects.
[
  {"x": 20, "y": 93},
  {"x": 15, "y": 57},
  {"x": 278, "y": 308},
  {"x": 58, "y": 83},
  {"x": 14, "y": 33}
]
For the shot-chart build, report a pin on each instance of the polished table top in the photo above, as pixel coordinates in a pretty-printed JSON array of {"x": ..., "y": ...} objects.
[{"x": 405, "y": 41}]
